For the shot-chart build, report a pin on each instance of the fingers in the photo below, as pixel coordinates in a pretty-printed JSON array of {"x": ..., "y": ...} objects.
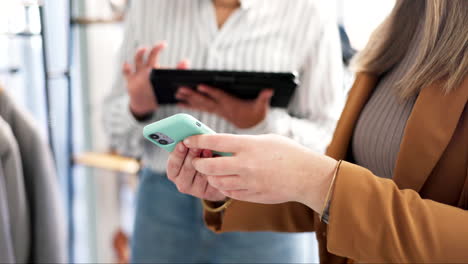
[
  {"x": 185, "y": 178},
  {"x": 151, "y": 62},
  {"x": 183, "y": 65},
  {"x": 212, "y": 194},
  {"x": 214, "y": 93},
  {"x": 227, "y": 183},
  {"x": 127, "y": 70},
  {"x": 196, "y": 100},
  {"x": 139, "y": 59},
  {"x": 264, "y": 98},
  {"x": 242, "y": 195},
  {"x": 176, "y": 161},
  {"x": 199, "y": 185},
  {"x": 216, "y": 166},
  {"x": 154, "y": 54},
  {"x": 208, "y": 154},
  {"x": 218, "y": 142}
]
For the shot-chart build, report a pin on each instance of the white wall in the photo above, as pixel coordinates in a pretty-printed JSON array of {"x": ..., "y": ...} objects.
[{"x": 361, "y": 17}]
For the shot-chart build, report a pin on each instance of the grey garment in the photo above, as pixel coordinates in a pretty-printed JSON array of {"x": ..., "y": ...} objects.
[
  {"x": 379, "y": 131},
  {"x": 14, "y": 214},
  {"x": 6, "y": 240},
  {"x": 380, "y": 127},
  {"x": 47, "y": 215}
]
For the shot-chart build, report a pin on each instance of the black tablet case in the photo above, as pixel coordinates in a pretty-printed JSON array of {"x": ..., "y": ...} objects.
[{"x": 244, "y": 85}]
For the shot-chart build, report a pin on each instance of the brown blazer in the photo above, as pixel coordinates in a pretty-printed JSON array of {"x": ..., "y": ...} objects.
[{"x": 419, "y": 216}]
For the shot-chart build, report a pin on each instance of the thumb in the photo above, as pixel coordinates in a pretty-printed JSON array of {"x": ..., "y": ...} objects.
[
  {"x": 183, "y": 65},
  {"x": 126, "y": 70},
  {"x": 264, "y": 98}
]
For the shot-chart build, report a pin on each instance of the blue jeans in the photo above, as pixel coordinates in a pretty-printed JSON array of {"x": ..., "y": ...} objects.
[{"x": 169, "y": 228}]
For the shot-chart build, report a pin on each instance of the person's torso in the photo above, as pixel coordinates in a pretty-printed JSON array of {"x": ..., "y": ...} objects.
[
  {"x": 432, "y": 155},
  {"x": 269, "y": 36},
  {"x": 379, "y": 130}
]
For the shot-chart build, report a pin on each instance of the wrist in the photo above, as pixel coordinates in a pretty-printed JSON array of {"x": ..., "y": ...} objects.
[
  {"x": 243, "y": 123},
  {"x": 317, "y": 186},
  {"x": 217, "y": 207},
  {"x": 216, "y": 203},
  {"x": 141, "y": 112}
]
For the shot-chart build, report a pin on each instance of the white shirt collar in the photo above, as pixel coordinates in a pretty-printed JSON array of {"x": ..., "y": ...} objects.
[{"x": 246, "y": 4}]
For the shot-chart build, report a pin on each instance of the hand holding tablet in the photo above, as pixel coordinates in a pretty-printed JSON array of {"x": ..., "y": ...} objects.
[{"x": 242, "y": 85}]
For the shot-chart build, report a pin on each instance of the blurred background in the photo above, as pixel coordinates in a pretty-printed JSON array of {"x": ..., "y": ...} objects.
[{"x": 58, "y": 60}]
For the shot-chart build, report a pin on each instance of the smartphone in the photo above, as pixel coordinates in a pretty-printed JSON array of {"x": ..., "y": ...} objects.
[{"x": 168, "y": 132}]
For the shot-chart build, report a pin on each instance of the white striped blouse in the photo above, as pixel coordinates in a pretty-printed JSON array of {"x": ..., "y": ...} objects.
[{"x": 262, "y": 35}]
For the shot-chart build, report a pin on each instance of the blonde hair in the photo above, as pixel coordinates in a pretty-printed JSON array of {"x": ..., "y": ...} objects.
[{"x": 442, "y": 54}]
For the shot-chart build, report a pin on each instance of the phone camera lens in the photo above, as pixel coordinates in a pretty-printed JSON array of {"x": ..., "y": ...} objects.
[
  {"x": 163, "y": 142},
  {"x": 154, "y": 136}
]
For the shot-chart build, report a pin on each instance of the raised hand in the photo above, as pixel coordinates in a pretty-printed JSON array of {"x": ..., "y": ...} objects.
[{"x": 137, "y": 76}]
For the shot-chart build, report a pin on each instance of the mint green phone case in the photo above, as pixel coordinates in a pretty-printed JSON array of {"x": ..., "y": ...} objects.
[{"x": 177, "y": 127}]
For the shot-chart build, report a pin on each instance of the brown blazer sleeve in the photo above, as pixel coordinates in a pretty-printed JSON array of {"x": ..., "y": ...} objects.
[
  {"x": 372, "y": 221},
  {"x": 286, "y": 217}
]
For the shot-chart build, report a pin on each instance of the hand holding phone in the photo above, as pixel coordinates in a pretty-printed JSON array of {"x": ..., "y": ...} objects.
[{"x": 168, "y": 132}]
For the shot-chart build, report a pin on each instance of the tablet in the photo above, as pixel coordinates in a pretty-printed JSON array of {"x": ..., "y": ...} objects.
[{"x": 243, "y": 85}]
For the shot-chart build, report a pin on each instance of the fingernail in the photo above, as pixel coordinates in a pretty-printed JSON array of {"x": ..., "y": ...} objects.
[
  {"x": 195, "y": 151},
  {"x": 186, "y": 141},
  {"x": 181, "y": 147},
  {"x": 183, "y": 90}
]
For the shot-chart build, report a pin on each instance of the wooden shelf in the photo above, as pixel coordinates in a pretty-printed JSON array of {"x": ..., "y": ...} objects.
[
  {"x": 26, "y": 34},
  {"x": 97, "y": 21},
  {"x": 108, "y": 161}
]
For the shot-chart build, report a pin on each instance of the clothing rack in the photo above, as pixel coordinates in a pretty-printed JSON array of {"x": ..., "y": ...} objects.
[
  {"x": 48, "y": 77},
  {"x": 127, "y": 166}
]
